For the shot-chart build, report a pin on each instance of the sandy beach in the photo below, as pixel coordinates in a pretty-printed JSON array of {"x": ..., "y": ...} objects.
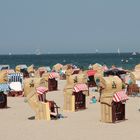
[{"x": 17, "y": 121}]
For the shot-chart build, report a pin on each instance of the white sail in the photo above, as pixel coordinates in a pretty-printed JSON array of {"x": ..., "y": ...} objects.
[
  {"x": 118, "y": 51},
  {"x": 134, "y": 53}
]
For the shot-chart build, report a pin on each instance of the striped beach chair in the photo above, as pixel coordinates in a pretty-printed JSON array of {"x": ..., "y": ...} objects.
[
  {"x": 15, "y": 81},
  {"x": 52, "y": 82}
]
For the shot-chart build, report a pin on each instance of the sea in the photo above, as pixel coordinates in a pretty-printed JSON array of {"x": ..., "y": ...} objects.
[{"x": 124, "y": 60}]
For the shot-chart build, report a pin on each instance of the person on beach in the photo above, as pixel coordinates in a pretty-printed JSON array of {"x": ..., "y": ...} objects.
[{"x": 93, "y": 99}]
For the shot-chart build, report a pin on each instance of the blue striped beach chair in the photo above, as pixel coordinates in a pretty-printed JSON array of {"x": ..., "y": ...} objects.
[{"x": 15, "y": 81}]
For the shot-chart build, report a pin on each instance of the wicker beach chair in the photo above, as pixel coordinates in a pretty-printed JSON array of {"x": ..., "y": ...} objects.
[
  {"x": 15, "y": 81},
  {"x": 112, "y": 99},
  {"x": 4, "y": 89},
  {"x": 75, "y": 93},
  {"x": 35, "y": 93}
]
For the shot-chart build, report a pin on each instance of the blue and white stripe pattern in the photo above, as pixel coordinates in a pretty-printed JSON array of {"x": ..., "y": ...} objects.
[
  {"x": 4, "y": 88},
  {"x": 15, "y": 77}
]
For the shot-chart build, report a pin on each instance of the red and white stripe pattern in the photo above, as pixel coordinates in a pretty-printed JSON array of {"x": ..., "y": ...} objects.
[
  {"x": 53, "y": 75},
  {"x": 80, "y": 87},
  {"x": 41, "y": 90},
  {"x": 120, "y": 96},
  {"x": 41, "y": 93}
]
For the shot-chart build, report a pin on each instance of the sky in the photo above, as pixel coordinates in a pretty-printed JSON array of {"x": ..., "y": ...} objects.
[{"x": 69, "y": 26}]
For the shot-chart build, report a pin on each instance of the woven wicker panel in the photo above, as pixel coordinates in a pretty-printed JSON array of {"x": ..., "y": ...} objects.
[
  {"x": 135, "y": 76},
  {"x": 111, "y": 84},
  {"x": 31, "y": 83}
]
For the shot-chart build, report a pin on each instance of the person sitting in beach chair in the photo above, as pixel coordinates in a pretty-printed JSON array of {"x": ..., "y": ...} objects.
[
  {"x": 41, "y": 92},
  {"x": 35, "y": 92}
]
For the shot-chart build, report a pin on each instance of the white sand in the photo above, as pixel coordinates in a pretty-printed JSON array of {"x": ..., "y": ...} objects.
[{"x": 80, "y": 125}]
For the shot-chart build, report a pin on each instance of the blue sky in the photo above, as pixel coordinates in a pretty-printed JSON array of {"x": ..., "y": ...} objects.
[{"x": 69, "y": 26}]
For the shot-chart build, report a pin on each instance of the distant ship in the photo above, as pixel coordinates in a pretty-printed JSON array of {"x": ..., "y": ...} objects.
[
  {"x": 134, "y": 53},
  {"x": 10, "y": 53},
  {"x": 37, "y": 52},
  {"x": 96, "y": 51}
]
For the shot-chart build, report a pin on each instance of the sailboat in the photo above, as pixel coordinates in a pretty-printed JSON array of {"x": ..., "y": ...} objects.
[
  {"x": 118, "y": 51},
  {"x": 37, "y": 52},
  {"x": 10, "y": 53},
  {"x": 96, "y": 51},
  {"x": 134, "y": 53}
]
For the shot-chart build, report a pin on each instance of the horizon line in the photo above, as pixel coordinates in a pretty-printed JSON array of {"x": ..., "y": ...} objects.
[{"x": 68, "y": 53}]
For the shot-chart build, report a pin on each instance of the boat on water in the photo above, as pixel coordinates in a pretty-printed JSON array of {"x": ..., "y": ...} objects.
[
  {"x": 118, "y": 51},
  {"x": 134, "y": 53},
  {"x": 37, "y": 52}
]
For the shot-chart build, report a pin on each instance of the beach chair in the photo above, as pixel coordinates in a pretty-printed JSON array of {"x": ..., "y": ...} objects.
[
  {"x": 112, "y": 99},
  {"x": 4, "y": 67},
  {"x": 15, "y": 81},
  {"x": 35, "y": 93},
  {"x": 22, "y": 69},
  {"x": 133, "y": 89},
  {"x": 91, "y": 80},
  {"x": 75, "y": 93},
  {"x": 51, "y": 79},
  {"x": 4, "y": 89}
]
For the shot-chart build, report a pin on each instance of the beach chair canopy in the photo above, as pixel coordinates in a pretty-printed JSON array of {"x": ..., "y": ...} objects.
[
  {"x": 75, "y": 71},
  {"x": 42, "y": 69},
  {"x": 137, "y": 67},
  {"x": 30, "y": 69},
  {"x": 4, "y": 67},
  {"x": 91, "y": 72},
  {"x": 120, "y": 96},
  {"x": 80, "y": 87},
  {"x": 57, "y": 67},
  {"x": 115, "y": 71},
  {"x": 96, "y": 66},
  {"x": 135, "y": 76},
  {"x": 22, "y": 66},
  {"x": 53, "y": 75}
]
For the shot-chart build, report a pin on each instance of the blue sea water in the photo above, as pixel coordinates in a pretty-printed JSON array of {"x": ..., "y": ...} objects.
[{"x": 125, "y": 60}]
